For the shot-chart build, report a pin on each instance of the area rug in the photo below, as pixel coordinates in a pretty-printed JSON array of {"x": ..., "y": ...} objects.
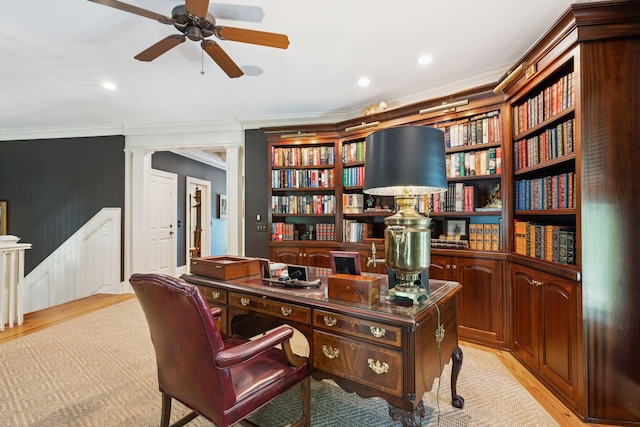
[{"x": 99, "y": 370}]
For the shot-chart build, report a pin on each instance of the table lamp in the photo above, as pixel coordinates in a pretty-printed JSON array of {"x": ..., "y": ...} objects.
[{"x": 406, "y": 162}]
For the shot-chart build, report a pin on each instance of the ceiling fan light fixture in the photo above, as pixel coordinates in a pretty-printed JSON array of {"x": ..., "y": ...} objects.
[{"x": 193, "y": 33}]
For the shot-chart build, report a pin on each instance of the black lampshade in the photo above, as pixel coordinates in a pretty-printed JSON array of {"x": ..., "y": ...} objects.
[{"x": 405, "y": 160}]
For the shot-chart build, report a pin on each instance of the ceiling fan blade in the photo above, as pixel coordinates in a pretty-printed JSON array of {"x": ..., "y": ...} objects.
[
  {"x": 159, "y": 48},
  {"x": 136, "y": 10},
  {"x": 222, "y": 59},
  {"x": 197, "y": 8},
  {"x": 252, "y": 36}
]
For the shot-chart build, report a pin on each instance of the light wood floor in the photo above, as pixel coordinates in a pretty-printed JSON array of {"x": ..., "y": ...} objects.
[{"x": 42, "y": 319}]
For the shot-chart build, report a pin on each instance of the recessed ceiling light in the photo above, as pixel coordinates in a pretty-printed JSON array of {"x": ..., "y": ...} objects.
[
  {"x": 364, "y": 81},
  {"x": 109, "y": 85},
  {"x": 425, "y": 59}
]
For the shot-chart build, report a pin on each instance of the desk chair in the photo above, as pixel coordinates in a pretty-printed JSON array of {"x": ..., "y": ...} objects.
[{"x": 224, "y": 380}]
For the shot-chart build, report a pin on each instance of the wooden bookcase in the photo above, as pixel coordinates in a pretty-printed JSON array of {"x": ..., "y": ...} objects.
[{"x": 572, "y": 321}]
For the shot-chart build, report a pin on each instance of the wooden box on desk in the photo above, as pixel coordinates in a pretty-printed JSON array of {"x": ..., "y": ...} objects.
[
  {"x": 355, "y": 288},
  {"x": 225, "y": 267}
]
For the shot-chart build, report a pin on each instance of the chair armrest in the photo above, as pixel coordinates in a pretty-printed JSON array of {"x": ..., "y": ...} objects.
[
  {"x": 216, "y": 312},
  {"x": 243, "y": 352}
]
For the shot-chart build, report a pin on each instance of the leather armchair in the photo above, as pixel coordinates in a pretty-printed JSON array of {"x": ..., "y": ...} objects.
[{"x": 222, "y": 379}]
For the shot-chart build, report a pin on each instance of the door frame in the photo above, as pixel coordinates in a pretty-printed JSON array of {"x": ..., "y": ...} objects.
[{"x": 205, "y": 213}]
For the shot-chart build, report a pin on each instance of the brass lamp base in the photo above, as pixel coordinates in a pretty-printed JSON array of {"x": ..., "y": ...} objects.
[
  {"x": 407, "y": 288},
  {"x": 413, "y": 293}
]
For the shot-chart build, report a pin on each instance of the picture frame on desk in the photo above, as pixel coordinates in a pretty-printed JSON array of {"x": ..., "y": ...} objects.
[
  {"x": 222, "y": 206},
  {"x": 345, "y": 262},
  {"x": 457, "y": 228},
  {"x": 3, "y": 217}
]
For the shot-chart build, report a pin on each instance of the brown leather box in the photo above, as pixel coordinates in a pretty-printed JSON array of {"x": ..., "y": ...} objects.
[
  {"x": 225, "y": 267},
  {"x": 355, "y": 288}
]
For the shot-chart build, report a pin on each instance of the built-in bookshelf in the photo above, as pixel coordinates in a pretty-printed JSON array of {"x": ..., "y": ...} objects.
[
  {"x": 474, "y": 152},
  {"x": 303, "y": 190},
  {"x": 544, "y": 178}
]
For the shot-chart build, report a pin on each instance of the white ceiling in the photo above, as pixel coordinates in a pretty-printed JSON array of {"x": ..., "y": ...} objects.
[{"x": 54, "y": 56}]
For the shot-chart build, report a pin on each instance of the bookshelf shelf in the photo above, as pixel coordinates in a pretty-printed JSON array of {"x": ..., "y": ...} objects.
[
  {"x": 560, "y": 117},
  {"x": 567, "y": 161}
]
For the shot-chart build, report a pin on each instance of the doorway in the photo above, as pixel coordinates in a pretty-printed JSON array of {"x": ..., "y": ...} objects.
[
  {"x": 197, "y": 219},
  {"x": 162, "y": 220}
]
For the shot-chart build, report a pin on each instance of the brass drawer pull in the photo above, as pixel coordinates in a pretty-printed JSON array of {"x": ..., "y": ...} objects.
[
  {"x": 215, "y": 294},
  {"x": 330, "y": 321},
  {"x": 377, "y": 332},
  {"x": 245, "y": 301},
  {"x": 286, "y": 311},
  {"x": 377, "y": 367},
  {"x": 330, "y": 352}
]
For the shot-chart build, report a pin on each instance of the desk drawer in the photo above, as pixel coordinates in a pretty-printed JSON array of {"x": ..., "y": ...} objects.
[
  {"x": 292, "y": 312},
  {"x": 373, "y": 366},
  {"x": 372, "y": 331},
  {"x": 214, "y": 295}
]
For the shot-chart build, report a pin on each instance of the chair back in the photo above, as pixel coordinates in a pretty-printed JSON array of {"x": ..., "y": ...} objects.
[{"x": 186, "y": 340}]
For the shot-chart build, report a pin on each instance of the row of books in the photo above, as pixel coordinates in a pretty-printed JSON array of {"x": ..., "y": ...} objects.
[
  {"x": 354, "y": 231},
  {"x": 548, "y": 242},
  {"x": 304, "y": 204},
  {"x": 472, "y": 163},
  {"x": 551, "y": 144},
  {"x": 485, "y": 237},
  {"x": 353, "y": 203},
  {"x": 325, "y": 231},
  {"x": 457, "y": 198},
  {"x": 547, "y": 193},
  {"x": 283, "y": 231},
  {"x": 352, "y": 177},
  {"x": 303, "y": 156},
  {"x": 302, "y": 178},
  {"x": 353, "y": 152},
  {"x": 287, "y": 231},
  {"x": 481, "y": 129},
  {"x": 548, "y": 103}
]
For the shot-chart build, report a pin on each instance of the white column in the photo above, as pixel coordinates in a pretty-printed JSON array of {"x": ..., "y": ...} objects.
[
  {"x": 235, "y": 197},
  {"x": 137, "y": 176},
  {"x": 12, "y": 283}
]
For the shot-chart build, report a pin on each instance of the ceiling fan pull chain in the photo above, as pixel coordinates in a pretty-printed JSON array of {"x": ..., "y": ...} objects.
[{"x": 202, "y": 59}]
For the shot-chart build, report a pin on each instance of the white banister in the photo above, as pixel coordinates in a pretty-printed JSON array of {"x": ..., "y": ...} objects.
[{"x": 11, "y": 281}]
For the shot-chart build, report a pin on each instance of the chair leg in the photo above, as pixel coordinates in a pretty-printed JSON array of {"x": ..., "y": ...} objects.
[
  {"x": 305, "y": 389},
  {"x": 166, "y": 410}
]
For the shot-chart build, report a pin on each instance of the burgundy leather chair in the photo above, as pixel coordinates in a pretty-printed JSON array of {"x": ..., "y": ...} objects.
[{"x": 224, "y": 380}]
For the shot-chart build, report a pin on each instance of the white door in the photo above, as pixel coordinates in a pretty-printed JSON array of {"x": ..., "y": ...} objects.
[{"x": 162, "y": 222}]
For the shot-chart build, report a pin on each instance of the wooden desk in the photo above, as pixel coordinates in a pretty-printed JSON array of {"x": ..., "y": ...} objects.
[{"x": 387, "y": 350}]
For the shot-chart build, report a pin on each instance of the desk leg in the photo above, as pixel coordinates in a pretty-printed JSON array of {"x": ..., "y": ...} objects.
[
  {"x": 456, "y": 357},
  {"x": 408, "y": 418}
]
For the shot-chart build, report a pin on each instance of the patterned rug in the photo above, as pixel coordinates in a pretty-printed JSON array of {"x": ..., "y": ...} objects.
[{"x": 99, "y": 370}]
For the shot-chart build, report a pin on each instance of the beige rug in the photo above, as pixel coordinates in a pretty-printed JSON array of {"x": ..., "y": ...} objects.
[{"x": 99, "y": 370}]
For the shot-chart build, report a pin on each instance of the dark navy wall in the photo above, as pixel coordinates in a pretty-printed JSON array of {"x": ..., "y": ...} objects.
[
  {"x": 54, "y": 186},
  {"x": 184, "y": 167},
  {"x": 257, "y": 193}
]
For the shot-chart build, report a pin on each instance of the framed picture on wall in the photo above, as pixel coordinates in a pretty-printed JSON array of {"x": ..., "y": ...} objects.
[
  {"x": 3, "y": 217},
  {"x": 222, "y": 206}
]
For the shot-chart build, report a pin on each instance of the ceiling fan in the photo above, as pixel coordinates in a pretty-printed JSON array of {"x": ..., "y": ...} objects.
[{"x": 195, "y": 22}]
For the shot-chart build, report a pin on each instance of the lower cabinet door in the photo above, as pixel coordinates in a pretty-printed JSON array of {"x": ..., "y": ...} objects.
[{"x": 373, "y": 366}]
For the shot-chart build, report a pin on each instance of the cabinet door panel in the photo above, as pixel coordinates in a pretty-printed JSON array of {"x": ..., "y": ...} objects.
[
  {"x": 558, "y": 346},
  {"x": 482, "y": 298},
  {"x": 286, "y": 256},
  {"x": 438, "y": 268},
  {"x": 318, "y": 258},
  {"x": 525, "y": 317}
]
